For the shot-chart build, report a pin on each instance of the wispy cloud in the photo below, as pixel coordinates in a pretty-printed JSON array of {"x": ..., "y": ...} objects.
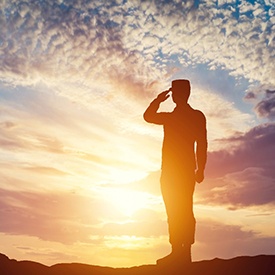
[{"x": 59, "y": 217}]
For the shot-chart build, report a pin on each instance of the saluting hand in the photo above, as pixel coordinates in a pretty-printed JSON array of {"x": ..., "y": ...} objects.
[{"x": 163, "y": 96}]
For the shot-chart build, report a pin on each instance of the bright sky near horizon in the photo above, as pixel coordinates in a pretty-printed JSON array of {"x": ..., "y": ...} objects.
[{"x": 79, "y": 178}]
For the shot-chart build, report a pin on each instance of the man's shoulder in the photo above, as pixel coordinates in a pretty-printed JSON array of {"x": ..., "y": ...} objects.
[
  {"x": 197, "y": 113},
  {"x": 187, "y": 111}
]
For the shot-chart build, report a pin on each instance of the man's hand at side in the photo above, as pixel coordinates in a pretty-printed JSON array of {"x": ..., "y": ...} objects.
[{"x": 199, "y": 176}]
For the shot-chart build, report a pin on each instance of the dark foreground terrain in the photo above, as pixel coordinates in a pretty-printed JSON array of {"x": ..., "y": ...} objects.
[{"x": 258, "y": 265}]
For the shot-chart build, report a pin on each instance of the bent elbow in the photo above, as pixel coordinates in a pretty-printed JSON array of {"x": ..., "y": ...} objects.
[{"x": 146, "y": 117}]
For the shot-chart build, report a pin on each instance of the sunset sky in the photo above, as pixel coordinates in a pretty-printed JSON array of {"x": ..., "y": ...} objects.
[{"x": 79, "y": 176}]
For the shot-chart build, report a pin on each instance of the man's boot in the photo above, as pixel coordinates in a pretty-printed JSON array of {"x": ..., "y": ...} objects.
[
  {"x": 187, "y": 258},
  {"x": 173, "y": 258}
]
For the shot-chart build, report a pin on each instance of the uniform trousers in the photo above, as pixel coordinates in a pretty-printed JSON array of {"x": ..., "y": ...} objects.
[{"x": 177, "y": 189}]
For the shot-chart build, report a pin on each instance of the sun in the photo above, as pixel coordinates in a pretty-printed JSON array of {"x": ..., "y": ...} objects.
[{"x": 127, "y": 201}]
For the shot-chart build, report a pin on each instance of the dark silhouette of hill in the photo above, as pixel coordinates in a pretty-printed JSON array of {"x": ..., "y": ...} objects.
[{"x": 258, "y": 265}]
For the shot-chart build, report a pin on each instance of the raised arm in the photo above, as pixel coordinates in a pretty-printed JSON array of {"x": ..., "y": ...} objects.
[
  {"x": 201, "y": 149},
  {"x": 151, "y": 115}
]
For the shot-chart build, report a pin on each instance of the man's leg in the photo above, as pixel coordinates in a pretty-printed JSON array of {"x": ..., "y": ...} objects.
[
  {"x": 188, "y": 218},
  {"x": 177, "y": 194}
]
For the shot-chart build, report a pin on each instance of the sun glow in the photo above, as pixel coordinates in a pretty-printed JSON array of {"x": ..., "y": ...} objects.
[
  {"x": 127, "y": 201},
  {"x": 125, "y": 241},
  {"x": 120, "y": 176}
]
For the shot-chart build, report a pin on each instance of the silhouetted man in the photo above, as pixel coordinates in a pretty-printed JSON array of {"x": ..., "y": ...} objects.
[{"x": 183, "y": 164}]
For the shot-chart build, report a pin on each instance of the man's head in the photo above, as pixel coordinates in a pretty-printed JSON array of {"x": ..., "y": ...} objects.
[{"x": 180, "y": 90}]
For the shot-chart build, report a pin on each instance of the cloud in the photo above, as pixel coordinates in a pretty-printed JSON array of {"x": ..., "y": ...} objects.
[
  {"x": 224, "y": 119},
  {"x": 45, "y": 170},
  {"x": 250, "y": 187},
  {"x": 23, "y": 114},
  {"x": 253, "y": 148},
  {"x": 40, "y": 126},
  {"x": 81, "y": 41},
  {"x": 245, "y": 175},
  {"x": 216, "y": 239},
  {"x": 145, "y": 223},
  {"x": 266, "y": 107},
  {"x": 210, "y": 232},
  {"x": 60, "y": 217},
  {"x": 250, "y": 96},
  {"x": 70, "y": 217},
  {"x": 263, "y": 98},
  {"x": 86, "y": 43},
  {"x": 48, "y": 255}
]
